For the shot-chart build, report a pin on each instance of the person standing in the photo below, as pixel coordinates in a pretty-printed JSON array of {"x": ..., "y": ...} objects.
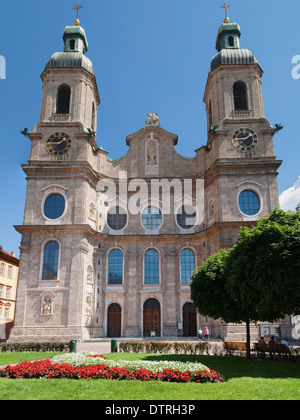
[
  {"x": 200, "y": 335},
  {"x": 206, "y": 334}
]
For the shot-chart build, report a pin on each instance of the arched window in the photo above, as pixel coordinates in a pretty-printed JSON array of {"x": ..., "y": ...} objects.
[
  {"x": 93, "y": 124},
  {"x": 115, "y": 267},
  {"x": 187, "y": 265},
  {"x": 72, "y": 44},
  {"x": 63, "y": 99},
  {"x": 50, "y": 261},
  {"x": 240, "y": 96},
  {"x": 151, "y": 267}
]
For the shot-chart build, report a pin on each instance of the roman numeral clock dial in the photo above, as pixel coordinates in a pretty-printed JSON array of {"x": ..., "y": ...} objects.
[
  {"x": 245, "y": 140},
  {"x": 58, "y": 144}
]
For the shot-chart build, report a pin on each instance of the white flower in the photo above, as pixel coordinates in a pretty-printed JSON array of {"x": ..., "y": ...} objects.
[{"x": 82, "y": 359}]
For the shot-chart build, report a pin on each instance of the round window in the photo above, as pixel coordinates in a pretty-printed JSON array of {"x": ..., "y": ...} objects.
[
  {"x": 54, "y": 206},
  {"x": 249, "y": 203},
  {"x": 186, "y": 217},
  {"x": 116, "y": 218},
  {"x": 151, "y": 218}
]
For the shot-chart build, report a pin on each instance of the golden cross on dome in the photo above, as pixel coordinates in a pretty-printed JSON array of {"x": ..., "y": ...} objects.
[{"x": 226, "y": 7}]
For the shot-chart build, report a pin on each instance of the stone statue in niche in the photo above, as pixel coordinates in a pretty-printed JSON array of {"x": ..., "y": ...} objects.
[
  {"x": 152, "y": 157},
  {"x": 92, "y": 214},
  {"x": 47, "y": 306},
  {"x": 89, "y": 276},
  {"x": 151, "y": 154}
]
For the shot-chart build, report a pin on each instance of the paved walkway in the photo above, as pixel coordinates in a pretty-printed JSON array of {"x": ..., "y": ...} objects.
[{"x": 97, "y": 347}]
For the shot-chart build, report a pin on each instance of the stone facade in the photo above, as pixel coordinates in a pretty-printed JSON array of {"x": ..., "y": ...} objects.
[{"x": 96, "y": 292}]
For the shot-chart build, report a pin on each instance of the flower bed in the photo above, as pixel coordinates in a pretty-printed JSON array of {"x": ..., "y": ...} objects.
[{"x": 83, "y": 366}]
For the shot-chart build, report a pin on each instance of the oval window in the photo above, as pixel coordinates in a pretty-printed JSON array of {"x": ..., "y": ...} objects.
[
  {"x": 186, "y": 217},
  {"x": 54, "y": 206},
  {"x": 151, "y": 218},
  {"x": 249, "y": 203},
  {"x": 116, "y": 218}
]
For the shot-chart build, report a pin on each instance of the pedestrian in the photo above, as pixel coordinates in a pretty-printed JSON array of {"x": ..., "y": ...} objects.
[
  {"x": 206, "y": 334},
  {"x": 200, "y": 335},
  {"x": 285, "y": 343},
  {"x": 272, "y": 341},
  {"x": 262, "y": 340}
]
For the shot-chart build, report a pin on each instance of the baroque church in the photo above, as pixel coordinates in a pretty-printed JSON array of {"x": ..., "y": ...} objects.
[{"x": 101, "y": 254}]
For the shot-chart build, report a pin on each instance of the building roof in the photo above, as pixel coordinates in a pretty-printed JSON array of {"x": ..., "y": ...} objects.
[
  {"x": 75, "y": 48},
  {"x": 228, "y": 47},
  {"x": 70, "y": 59},
  {"x": 9, "y": 257},
  {"x": 233, "y": 56}
]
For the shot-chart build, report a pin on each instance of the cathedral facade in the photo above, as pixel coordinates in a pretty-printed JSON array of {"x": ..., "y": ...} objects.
[{"x": 109, "y": 246}]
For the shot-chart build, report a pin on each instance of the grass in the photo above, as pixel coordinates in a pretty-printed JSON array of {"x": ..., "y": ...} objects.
[
  {"x": 12, "y": 358},
  {"x": 246, "y": 380}
]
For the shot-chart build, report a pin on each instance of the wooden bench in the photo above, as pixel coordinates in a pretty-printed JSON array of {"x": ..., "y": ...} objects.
[
  {"x": 233, "y": 346},
  {"x": 274, "y": 350}
]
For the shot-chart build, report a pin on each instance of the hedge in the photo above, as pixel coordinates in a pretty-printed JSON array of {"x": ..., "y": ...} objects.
[
  {"x": 167, "y": 347},
  {"x": 33, "y": 347}
]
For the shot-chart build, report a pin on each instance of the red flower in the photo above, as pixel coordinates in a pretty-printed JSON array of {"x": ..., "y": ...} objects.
[{"x": 45, "y": 368}]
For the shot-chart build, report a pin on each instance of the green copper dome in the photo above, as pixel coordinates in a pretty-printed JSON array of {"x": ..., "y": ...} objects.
[
  {"x": 70, "y": 59},
  {"x": 227, "y": 57},
  {"x": 228, "y": 47},
  {"x": 75, "y": 48}
]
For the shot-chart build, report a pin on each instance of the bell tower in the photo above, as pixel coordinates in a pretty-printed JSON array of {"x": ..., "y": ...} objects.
[
  {"x": 70, "y": 92},
  {"x": 233, "y": 89},
  {"x": 239, "y": 137},
  {"x": 56, "y": 256}
]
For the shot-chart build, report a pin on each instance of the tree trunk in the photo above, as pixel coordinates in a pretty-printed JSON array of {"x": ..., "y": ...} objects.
[{"x": 248, "y": 354}]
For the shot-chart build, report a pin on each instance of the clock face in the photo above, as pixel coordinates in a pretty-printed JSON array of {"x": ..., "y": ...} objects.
[
  {"x": 58, "y": 144},
  {"x": 245, "y": 139}
]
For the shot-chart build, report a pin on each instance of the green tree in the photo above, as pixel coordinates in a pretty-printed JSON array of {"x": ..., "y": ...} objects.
[
  {"x": 259, "y": 276},
  {"x": 209, "y": 289}
]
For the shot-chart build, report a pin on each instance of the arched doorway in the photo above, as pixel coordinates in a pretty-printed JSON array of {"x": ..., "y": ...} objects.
[
  {"x": 189, "y": 320},
  {"x": 152, "y": 318},
  {"x": 114, "y": 315}
]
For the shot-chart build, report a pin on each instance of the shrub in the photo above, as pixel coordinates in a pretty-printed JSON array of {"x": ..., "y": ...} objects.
[
  {"x": 36, "y": 347},
  {"x": 166, "y": 347}
]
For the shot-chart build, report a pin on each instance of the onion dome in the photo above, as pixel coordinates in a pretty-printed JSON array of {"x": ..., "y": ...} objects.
[
  {"x": 75, "y": 48},
  {"x": 228, "y": 47}
]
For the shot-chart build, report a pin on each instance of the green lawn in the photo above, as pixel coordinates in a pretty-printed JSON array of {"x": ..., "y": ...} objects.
[{"x": 246, "y": 380}]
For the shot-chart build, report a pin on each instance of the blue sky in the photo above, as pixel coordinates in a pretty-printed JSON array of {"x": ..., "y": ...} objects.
[{"x": 148, "y": 56}]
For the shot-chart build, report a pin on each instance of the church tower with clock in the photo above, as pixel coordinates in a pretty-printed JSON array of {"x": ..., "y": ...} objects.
[{"x": 92, "y": 268}]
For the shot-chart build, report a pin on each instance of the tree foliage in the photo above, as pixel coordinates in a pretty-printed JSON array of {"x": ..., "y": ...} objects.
[
  {"x": 263, "y": 271},
  {"x": 258, "y": 279},
  {"x": 208, "y": 288}
]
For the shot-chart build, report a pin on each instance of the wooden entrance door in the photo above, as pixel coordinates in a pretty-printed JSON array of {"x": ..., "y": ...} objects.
[
  {"x": 152, "y": 320},
  {"x": 189, "y": 320},
  {"x": 114, "y": 317}
]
